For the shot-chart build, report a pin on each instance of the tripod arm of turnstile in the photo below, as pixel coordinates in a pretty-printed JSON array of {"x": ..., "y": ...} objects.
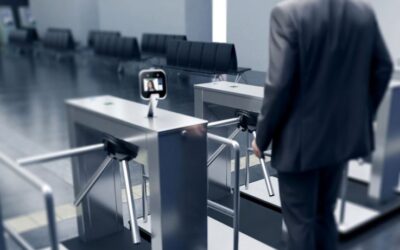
[
  {"x": 266, "y": 174},
  {"x": 123, "y": 152},
  {"x": 95, "y": 177},
  {"x": 129, "y": 195}
]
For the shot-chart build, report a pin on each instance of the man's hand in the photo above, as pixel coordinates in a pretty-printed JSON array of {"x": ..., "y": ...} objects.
[{"x": 256, "y": 150}]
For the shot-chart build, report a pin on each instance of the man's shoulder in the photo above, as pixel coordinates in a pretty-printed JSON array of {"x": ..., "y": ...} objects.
[{"x": 290, "y": 7}]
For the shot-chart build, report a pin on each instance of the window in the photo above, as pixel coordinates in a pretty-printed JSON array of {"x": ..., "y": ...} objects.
[{"x": 219, "y": 20}]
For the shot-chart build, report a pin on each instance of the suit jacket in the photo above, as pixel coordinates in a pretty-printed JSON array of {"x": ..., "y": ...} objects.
[{"x": 329, "y": 69}]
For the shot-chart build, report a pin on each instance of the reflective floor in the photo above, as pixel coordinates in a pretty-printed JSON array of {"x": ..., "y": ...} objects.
[{"x": 33, "y": 121}]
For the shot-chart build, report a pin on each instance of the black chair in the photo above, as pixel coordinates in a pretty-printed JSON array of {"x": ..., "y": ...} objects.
[
  {"x": 172, "y": 52},
  {"x": 59, "y": 40},
  {"x": 117, "y": 49},
  {"x": 156, "y": 44},
  {"x": 22, "y": 40},
  {"x": 98, "y": 34},
  {"x": 196, "y": 52},
  {"x": 204, "y": 58},
  {"x": 19, "y": 38},
  {"x": 123, "y": 48},
  {"x": 183, "y": 55},
  {"x": 32, "y": 33},
  {"x": 130, "y": 48},
  {"x": 225, "y": 58},
  {"x": 208, "y": 56}
]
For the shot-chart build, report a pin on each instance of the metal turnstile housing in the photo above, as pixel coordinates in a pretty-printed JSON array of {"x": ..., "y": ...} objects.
[{"x": 172, "y": 146}]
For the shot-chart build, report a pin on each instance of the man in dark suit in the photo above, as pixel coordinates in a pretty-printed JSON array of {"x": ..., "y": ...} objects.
[{"x": 329, "y": 69}]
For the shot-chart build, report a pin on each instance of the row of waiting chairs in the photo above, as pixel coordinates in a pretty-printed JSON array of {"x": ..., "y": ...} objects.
[
  {"x": 201, "y": 57},
  {"x": 152, "y": 44}
]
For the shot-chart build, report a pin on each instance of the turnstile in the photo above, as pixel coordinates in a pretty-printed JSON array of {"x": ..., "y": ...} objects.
[
  {"x": 220, "y": 98},
  {"x": 172, "y": 146},
  {"x": 124, "y": 150}
]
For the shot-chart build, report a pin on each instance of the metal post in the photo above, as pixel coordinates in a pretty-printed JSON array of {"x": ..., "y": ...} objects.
[
  {"x": 51, "y": 216},
  {"x": 21, "y": 242},
  {"x": 221, "y": 148},
  {"x": 343, "y": 192},
  {"x": 144, "y": 195},
  {"x": 47, "y": 194},
  {"x": 224, "y": 123},
  {"x": 60, "y": 154},
  {"x": 247, "y": 181},
  {"x": 66, "y": 153},
  {"x": 266, "y": 174},
  {"x": 95, "y": 177},
  {"x": 238, "y": 78},
  {"x": 236, "y": 195},
  {"x": 221, "y": 208},
  {"x": 131, "y": 202}
]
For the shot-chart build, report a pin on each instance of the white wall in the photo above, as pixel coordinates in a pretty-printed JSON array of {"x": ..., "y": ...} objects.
[
  {"x": 248, "y": 29},
  {"x": 78, "y": 15},
  {"x": 198, "y": 19},
  {"x": 87, "y": 18},
  {"x": 388, "y": 12},
  {"x": 133, "y": 18},
  {"x": 136, "y": 17},
  {"x": 219, "y": 20}
]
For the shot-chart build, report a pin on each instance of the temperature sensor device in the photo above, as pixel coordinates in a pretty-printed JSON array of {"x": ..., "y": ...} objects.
[
  {"x": 153, "y": 82},
  {"x": 153, "y": 87}
]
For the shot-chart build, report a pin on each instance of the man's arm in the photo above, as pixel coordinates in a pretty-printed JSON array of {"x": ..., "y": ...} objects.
[
  {"x": 280, "y": 87},
  {"x": 381, "y": 70}
]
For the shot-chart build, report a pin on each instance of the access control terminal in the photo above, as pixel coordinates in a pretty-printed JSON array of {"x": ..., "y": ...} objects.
[{"x": 153, "y": 87}]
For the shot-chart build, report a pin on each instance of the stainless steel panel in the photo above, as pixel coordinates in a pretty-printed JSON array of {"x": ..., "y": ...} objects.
[
  {"x": 176, "y": 162},
  {"x": 133, "y": 114},
  {"x": 386, "y": 158},
  {"x": 386, "y": 163}
]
